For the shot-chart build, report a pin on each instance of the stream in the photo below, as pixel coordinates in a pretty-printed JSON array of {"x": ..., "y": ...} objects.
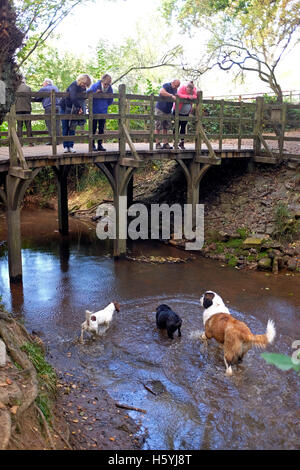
[{"x": 193, "y": 405}]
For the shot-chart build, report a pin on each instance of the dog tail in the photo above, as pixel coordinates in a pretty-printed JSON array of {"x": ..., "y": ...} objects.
[{"x": 261, "y": 341}]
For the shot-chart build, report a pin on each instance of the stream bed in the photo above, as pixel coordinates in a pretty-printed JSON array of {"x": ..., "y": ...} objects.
[{"x": 181, "y": 383}]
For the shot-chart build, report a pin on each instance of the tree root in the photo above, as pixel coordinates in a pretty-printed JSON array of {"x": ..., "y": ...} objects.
[
  {"x": 65, "y": 440},
  {"x": 45, "y": 424},
  {"x": 14, "y": 336}
]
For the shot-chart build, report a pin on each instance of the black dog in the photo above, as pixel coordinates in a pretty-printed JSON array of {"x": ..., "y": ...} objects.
[{"x": 166, "y": 318}]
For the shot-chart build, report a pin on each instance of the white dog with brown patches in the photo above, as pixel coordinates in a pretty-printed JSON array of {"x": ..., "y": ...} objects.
[
  {"x": 235, "y": 335},
  {"x": 102, "y": 317}
]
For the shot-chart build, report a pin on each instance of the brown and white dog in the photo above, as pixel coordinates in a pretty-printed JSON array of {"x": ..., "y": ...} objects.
[
  {"x": 102, "y": 317},
  {"x": 234, "y": 334}
]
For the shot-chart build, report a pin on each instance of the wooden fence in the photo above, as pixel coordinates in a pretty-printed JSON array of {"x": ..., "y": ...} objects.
[{"x": 132, "y": 118}]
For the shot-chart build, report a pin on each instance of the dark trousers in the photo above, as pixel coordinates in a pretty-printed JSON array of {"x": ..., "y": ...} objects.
[
  {"x": 98, "y": 124},
  {"x": 27, "y": 124},
  {"x": 66, "y": 130},
  {"x": 181, "y": 126}
]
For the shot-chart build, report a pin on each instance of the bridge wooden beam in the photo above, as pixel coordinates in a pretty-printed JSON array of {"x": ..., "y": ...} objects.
[
  {"x": 15, "y": 190},
  {"x": 194, "y": 173},
  {"x": 120, "y": 178}
]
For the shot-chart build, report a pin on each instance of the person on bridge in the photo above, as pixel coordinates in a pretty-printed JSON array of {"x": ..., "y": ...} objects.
[
  {"x": 73, "y": 104},
  {"x": 164, "y": 108},
  {"x": 100, "y": 106},
  {"x": 46, "y": 102},
  {"x": 188, "y": 91},
  {"x": 23, "y": 106}
]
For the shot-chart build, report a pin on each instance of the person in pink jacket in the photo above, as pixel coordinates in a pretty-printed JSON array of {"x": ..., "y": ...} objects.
[{"x": 188, "y": 91}]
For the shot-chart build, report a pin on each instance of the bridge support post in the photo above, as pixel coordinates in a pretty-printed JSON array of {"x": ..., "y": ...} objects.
[
  {"x": 15, "y": 190},
  {"x": 62, "y": 187},
  {"x": 14, "y": 243},
  {"x": 194, "y": 172},
  {"x": 119, "y": 177}
]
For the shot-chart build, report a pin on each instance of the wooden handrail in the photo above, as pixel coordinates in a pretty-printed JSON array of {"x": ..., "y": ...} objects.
[{"x": 213, "y": 119}]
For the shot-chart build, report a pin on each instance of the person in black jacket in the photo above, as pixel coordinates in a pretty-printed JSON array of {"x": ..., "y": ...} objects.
[{"x": 72, "y": 104}]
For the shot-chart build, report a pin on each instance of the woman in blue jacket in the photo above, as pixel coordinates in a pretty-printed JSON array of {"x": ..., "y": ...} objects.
[
  {"x": 100, "y": 106},
  {"x": 73, "y": 104}
]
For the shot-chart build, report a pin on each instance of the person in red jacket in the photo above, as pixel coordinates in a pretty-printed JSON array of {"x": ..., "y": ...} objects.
[{"x": 188, "y": 91}]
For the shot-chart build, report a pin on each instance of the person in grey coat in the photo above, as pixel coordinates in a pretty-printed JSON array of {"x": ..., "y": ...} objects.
[
  {"x": 23, "y": 106},
  {"x": 46, "y": 102}
]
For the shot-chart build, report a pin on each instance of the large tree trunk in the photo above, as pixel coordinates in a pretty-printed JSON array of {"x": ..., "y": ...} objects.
[{"x": 10, "y": 40}]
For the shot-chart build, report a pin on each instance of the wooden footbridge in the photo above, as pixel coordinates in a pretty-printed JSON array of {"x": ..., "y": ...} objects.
[{"x": 217, "y": 130}]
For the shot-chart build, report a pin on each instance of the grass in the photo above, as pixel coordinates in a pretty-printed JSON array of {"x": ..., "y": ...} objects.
[{"x": 46, "y": 377}]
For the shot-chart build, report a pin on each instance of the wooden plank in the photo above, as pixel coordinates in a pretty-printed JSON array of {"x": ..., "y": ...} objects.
[
  {"x": 91, "y": 118},
  {"x": 53, "y": 122},
  {"x": 221, "y": 124},
  {"x": 132, "y": 162},
  {"x": 198, "y": 115},
  {"x": 122, "y": 112},
  {"x": 152, "y": 122},
  {"x": 176, "y": 123},
  {"x": 129, "y": 141},
  {"x": 23, "y": 173},
  {"x": 240, "y": 126},
  {"x": 16, "y": 143}
]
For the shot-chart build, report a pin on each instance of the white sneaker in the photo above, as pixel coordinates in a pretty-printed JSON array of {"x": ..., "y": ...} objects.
[
  {"x": 66, "y": 150},
  {"x": 72, "y": 150}
]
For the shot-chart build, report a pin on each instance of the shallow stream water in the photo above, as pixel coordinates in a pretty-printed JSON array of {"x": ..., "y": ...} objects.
[{"x": 194, "y": 405}]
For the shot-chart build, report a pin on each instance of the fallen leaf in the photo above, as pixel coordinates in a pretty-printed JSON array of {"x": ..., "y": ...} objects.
[
  {"x": 8, "y": 381},
  {"x": 14, "y": 409}
]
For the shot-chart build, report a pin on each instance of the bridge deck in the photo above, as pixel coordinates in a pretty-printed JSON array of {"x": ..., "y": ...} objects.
[{"x": 41, "y": 155}]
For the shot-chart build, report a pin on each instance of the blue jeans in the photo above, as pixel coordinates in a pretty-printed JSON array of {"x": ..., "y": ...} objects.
[{"x": 66, "y": 129}]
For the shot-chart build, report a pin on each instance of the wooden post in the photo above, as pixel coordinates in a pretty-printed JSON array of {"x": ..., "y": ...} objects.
[
  {"x": 282, "y": 130},
  {"x": 199, "y": 111},
  {"x": 176, "y": 123},
  {"x": 90, "y": 104},
  {"x": 240, "y": 126},
  {"x": 53, "y": 123},
  {"x": 122, "y": 113},
  {"x": 258, "y": 124},
  {"x": 13, "y": 217},
  {"x": 13, "y": 153},
  {"x": 193, "y": 172},
  {"x": 122, "y": 176},
  {"x": 62, "y": 190},
  {"x": 151, "y": 123},
  {"x": 15, "y": 190},
  {"x": 119, "y": 177},
  {"x": 221, "y": 125}
]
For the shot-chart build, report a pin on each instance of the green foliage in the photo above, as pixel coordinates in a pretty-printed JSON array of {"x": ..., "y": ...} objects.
[
  {"x": 232, "y": 260},
  {"x": 91, "y": 177},
  {"x": 50, "y": 62},
  {"x": 38, "y": 19},
  {"x": 46, "y": 377},
  {"x": 246, "y": 35},
  {"x": 287, "y": 228},
  {"x": 281, "y": 361},
  {"x": 243, "y": 232}
]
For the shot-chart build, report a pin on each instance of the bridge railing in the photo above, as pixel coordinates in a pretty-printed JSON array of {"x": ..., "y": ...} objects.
[{"x": 131, "y": 118}]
